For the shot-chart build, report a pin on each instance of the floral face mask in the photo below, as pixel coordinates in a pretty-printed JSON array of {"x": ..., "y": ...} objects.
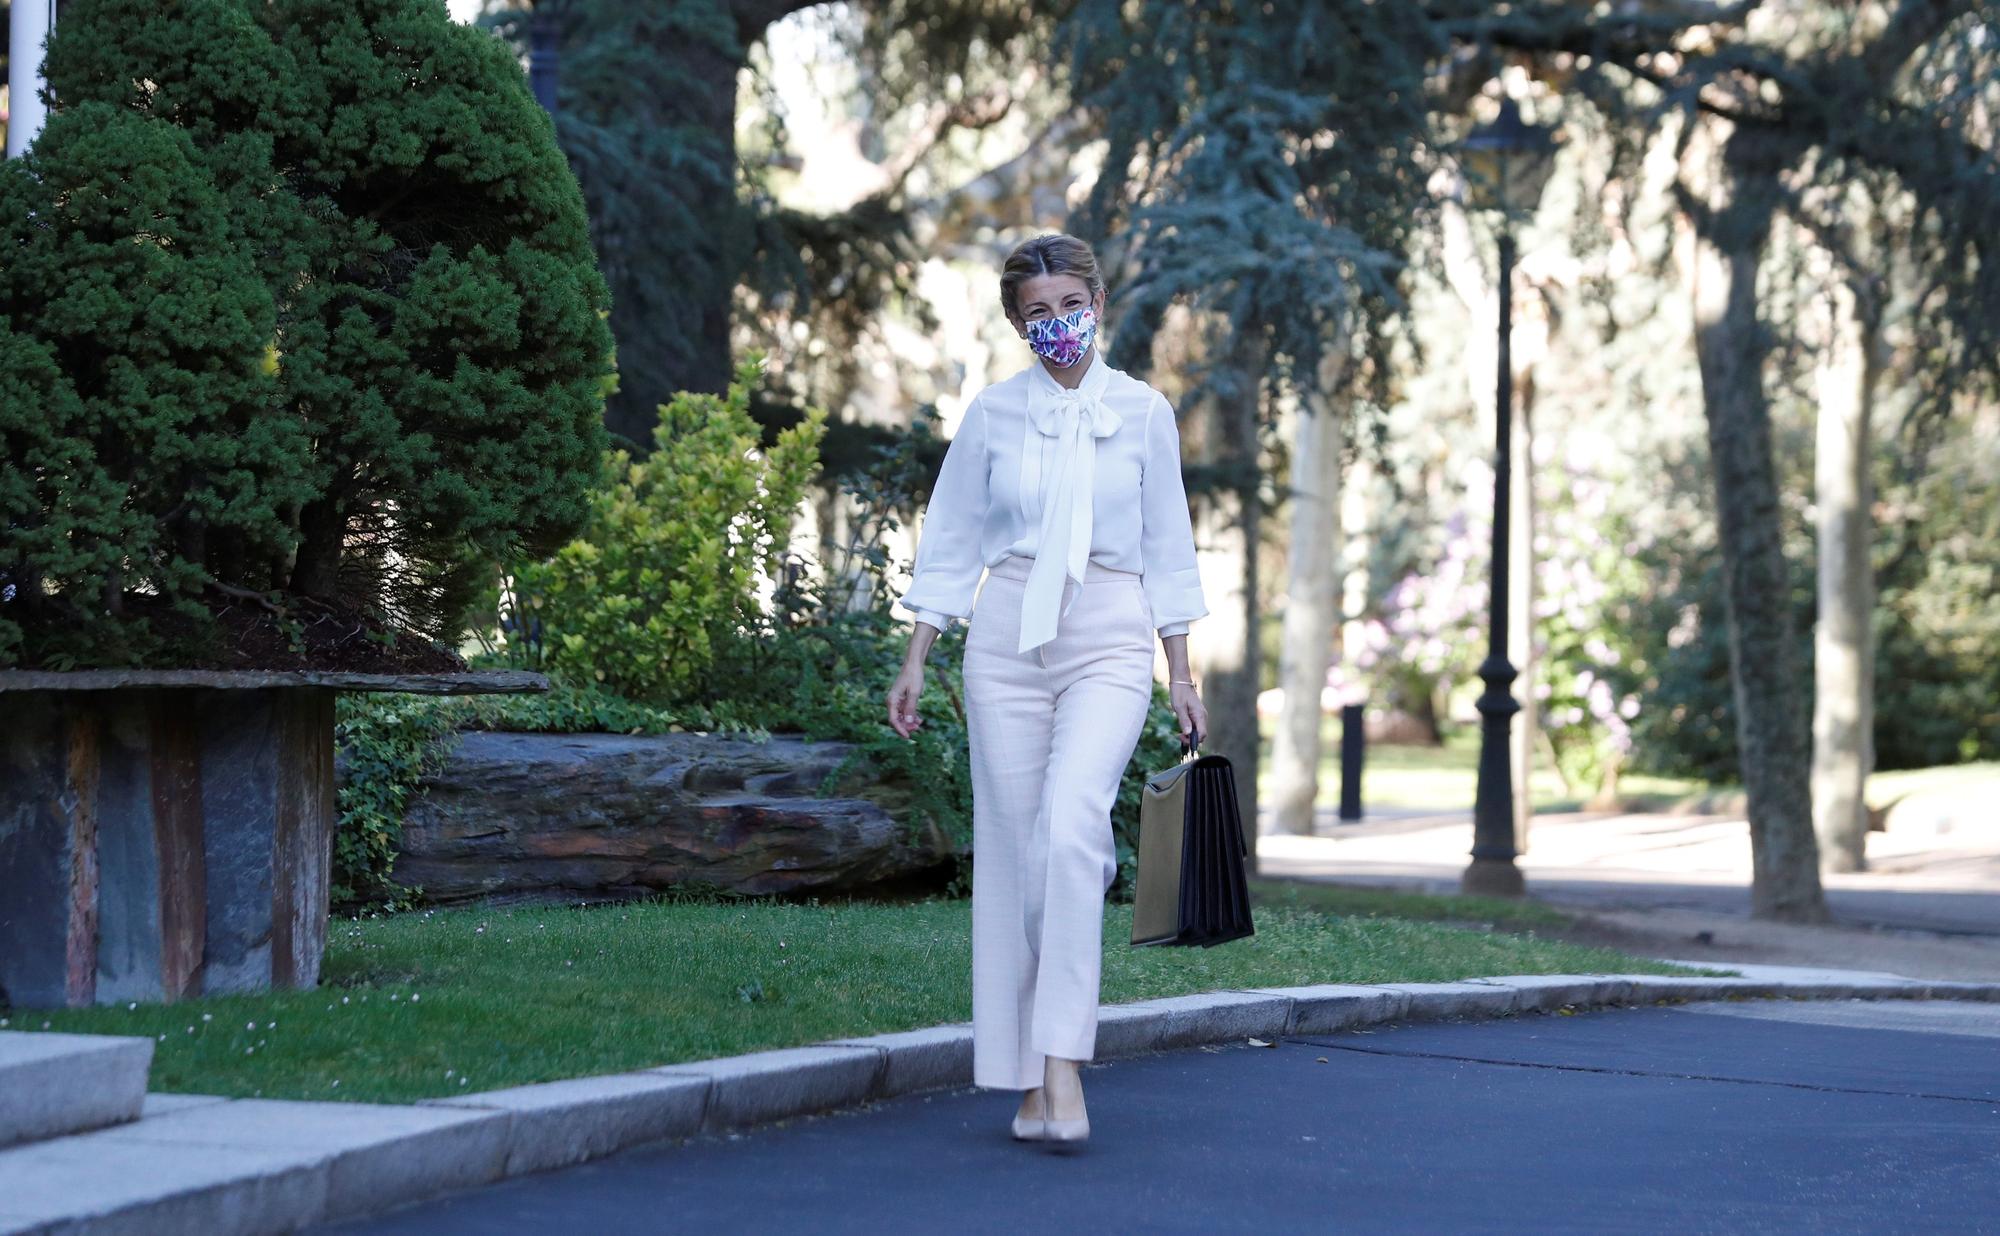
[{"x": 1064, "y": 340}]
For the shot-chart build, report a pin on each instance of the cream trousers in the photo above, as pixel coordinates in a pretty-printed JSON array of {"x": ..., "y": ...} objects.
[{"x": 1051, "y": 731}]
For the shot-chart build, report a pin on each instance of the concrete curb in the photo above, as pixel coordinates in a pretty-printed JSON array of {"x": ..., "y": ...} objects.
[
  {"x": 197, "y": 1163},
  {"x": 59, "y": 1084}
]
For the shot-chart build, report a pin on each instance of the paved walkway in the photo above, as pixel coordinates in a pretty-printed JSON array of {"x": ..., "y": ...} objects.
[
  {"x": 1945, "y": 882},
  {"x": 1763, "y": 1116}
]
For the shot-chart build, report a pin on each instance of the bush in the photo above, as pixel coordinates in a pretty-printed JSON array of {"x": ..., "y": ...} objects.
[
  {"x": 135, "y": 397},
  {"x": 297, "y": 297},
  {"x": 1937, "y": 623},
  {"x": 676, "y": 550}
]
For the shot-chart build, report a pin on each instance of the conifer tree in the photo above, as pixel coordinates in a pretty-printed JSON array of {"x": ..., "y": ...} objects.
[{"x": 305, "y": 292}]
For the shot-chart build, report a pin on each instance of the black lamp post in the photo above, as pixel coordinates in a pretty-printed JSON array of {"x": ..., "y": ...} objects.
[{"x": 1507, "y": 163}]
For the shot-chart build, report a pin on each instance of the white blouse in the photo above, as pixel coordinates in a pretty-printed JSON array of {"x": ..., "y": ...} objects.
[{"x": 1026, "y": 447}]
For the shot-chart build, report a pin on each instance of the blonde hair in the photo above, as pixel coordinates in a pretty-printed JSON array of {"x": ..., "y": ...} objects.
[{"x": 1054, "y": 254}]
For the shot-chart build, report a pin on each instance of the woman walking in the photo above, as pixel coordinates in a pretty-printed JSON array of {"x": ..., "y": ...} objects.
[{"x": 1063, "y": 485}]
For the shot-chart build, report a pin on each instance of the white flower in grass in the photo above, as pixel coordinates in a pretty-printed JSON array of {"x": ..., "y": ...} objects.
[{"x": 208, "y": 1017}]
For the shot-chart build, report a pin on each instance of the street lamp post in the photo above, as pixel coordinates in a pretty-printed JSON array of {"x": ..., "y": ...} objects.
[{"x": 1508, "y": 162}]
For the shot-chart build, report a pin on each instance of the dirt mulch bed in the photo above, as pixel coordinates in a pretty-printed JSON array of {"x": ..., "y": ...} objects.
[{"x": 285, "y": 633}]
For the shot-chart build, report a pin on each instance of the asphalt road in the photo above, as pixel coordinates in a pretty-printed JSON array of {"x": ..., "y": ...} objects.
[{"x": 1760, "y": 1116}]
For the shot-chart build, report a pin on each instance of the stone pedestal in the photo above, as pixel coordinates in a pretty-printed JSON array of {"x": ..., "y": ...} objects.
[{"x": 167, "y": 834}]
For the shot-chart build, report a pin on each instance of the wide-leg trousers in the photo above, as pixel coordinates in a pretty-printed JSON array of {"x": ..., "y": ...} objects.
[{"x": 1051, "y": 732}]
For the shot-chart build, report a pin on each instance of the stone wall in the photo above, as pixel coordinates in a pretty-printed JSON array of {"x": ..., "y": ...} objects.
[{"x": 532, "y": 817}]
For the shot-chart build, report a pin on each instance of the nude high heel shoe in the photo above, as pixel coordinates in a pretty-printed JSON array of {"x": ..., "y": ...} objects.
[
  {"x": 1030, "y": 1128},
  {"x": 1065, "y": 1132},
  {"x": 1073, "y": 1132}
]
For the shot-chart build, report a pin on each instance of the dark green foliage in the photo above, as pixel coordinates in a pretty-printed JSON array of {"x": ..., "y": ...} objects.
[
  {"x": 647, "y": 119},
  {"x": 1937, "y": 678},
  {"x": 1676, "y": 644},
  {"x": 137, "y": 419},
  {"x": 686, "y": 232},
  {"x": 1282, "y": 188},
  {"x": 1936, "y": 623},
  {"x": 358, "y": 352}
]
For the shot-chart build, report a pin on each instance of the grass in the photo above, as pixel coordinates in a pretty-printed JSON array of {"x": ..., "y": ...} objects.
[
  {"x": 1483, "y": 913},
  {"x": 450, "y": 1001},
  {"x": 1443, "y": 779},
  {"x": 1885, "y": 787}
]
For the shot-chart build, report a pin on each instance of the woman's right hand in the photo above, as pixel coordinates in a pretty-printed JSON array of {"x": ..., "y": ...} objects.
[{"x": 903, "y": 696}]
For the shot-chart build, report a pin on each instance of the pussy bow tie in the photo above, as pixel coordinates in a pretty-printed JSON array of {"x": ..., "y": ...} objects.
[{"x": 1075, "y": 420}]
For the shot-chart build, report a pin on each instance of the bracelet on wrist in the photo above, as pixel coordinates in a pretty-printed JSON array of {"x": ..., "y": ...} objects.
[{"x": 1181, "y": 682}]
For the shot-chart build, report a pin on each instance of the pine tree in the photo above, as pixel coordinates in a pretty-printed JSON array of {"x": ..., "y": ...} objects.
[{"x": 309, "y": 286}]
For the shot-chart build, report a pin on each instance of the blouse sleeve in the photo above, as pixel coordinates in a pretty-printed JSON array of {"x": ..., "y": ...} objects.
[
  {"x": 946, "y": 573},
  {"x": 1166, "y": 536}
]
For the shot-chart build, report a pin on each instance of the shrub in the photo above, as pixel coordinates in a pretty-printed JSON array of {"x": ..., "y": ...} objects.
[
  {"x": 135, "y": 397},
  {"x": 297, "y": 297},
  {"x": 675, "y": 552}
]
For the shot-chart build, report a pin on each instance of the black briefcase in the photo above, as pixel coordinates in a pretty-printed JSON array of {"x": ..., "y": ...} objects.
[{"x": 1192, "y": 886}]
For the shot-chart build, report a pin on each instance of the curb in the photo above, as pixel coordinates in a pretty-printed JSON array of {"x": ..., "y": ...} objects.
[{"x": 254, "y": 1166}]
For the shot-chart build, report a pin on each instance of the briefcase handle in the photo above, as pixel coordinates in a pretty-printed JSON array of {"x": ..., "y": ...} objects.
[{"x": 1191, "y": 750}]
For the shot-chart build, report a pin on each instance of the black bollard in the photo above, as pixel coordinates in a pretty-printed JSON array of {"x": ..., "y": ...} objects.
[{"x": 1353, "y": 740}]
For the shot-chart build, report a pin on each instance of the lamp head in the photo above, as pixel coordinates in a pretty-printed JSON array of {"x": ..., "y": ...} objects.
[{"x": 1507, "y": 162}]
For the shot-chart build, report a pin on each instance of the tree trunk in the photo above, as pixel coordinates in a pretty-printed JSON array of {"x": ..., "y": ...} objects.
[
  {"x": 1843, "y": 681},
  {"x": 1230, "y": 532},
  {"x": 1731, "y": 231},
  {"x": 1312, "y": 609},
  {"x": 693, "y": 294},
  {"x": 316, "y": 566}
]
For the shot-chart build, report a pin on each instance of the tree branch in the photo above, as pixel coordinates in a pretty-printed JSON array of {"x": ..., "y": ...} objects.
[
  {"x": 1916, "y": 23},
  {"x": 753, "y": 17}
]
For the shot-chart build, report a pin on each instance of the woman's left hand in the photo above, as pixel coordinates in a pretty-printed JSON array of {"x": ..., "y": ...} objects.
[{"x": 1189, "y": 713}]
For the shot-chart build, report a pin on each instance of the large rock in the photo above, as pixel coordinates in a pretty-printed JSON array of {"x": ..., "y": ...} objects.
[{"x": 518, "y": 817}]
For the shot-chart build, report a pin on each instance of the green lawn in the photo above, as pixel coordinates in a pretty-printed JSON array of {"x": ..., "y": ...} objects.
[
  {"x": 443, "y": 1002},
  {"x": 1485, "y": 913},
  {"x": 1886, "y": 787},
  {"x": 1443, "y": 779}
]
